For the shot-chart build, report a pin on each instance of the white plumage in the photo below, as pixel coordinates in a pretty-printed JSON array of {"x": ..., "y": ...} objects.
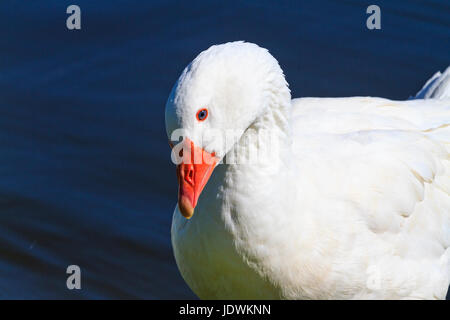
[{"x": 358, "y": 207}]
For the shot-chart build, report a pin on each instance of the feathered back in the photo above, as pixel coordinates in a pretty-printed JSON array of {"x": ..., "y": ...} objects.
[{"x": 437, "y": 87}]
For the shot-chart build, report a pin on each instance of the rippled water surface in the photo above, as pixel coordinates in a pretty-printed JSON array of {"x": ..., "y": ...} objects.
[{"x": 85, "y": 171}]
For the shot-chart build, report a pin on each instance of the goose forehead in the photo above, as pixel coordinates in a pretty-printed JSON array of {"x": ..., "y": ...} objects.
[
  {"x": 226, "y": 64},
  {"x": 206, "y": 86}
]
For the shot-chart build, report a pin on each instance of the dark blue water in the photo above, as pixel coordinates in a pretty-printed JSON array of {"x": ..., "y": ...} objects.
[{"x": 85, "y": 171}]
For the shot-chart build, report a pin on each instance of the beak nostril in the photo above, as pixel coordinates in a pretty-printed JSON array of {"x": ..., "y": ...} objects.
[{"x": 189, "y": 175}]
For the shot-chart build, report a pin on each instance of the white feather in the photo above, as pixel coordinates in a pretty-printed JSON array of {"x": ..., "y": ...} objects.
[{"x": 357, "y": 208}]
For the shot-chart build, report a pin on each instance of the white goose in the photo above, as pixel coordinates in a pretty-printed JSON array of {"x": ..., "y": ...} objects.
[{"x": 356, "y": 207}]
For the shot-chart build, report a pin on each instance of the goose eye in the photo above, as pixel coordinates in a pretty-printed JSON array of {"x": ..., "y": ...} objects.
[{"x": 202, "y": 114}]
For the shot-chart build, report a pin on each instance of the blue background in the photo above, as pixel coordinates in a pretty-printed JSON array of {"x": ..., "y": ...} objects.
[{"x": 85, "y": 171}]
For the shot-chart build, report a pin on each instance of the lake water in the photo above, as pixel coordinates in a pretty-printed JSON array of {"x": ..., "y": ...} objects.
[{"x": 85, "y": 171}]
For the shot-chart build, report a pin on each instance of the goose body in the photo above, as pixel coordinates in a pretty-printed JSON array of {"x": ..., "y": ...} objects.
[{"x": 356, "y": 204}]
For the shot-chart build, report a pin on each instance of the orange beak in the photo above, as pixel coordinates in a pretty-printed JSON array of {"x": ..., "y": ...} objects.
[{"x": 193, "y": 174}]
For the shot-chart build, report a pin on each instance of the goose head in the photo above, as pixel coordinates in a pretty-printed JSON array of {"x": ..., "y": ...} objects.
[{"x": 217, "y": 97}]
